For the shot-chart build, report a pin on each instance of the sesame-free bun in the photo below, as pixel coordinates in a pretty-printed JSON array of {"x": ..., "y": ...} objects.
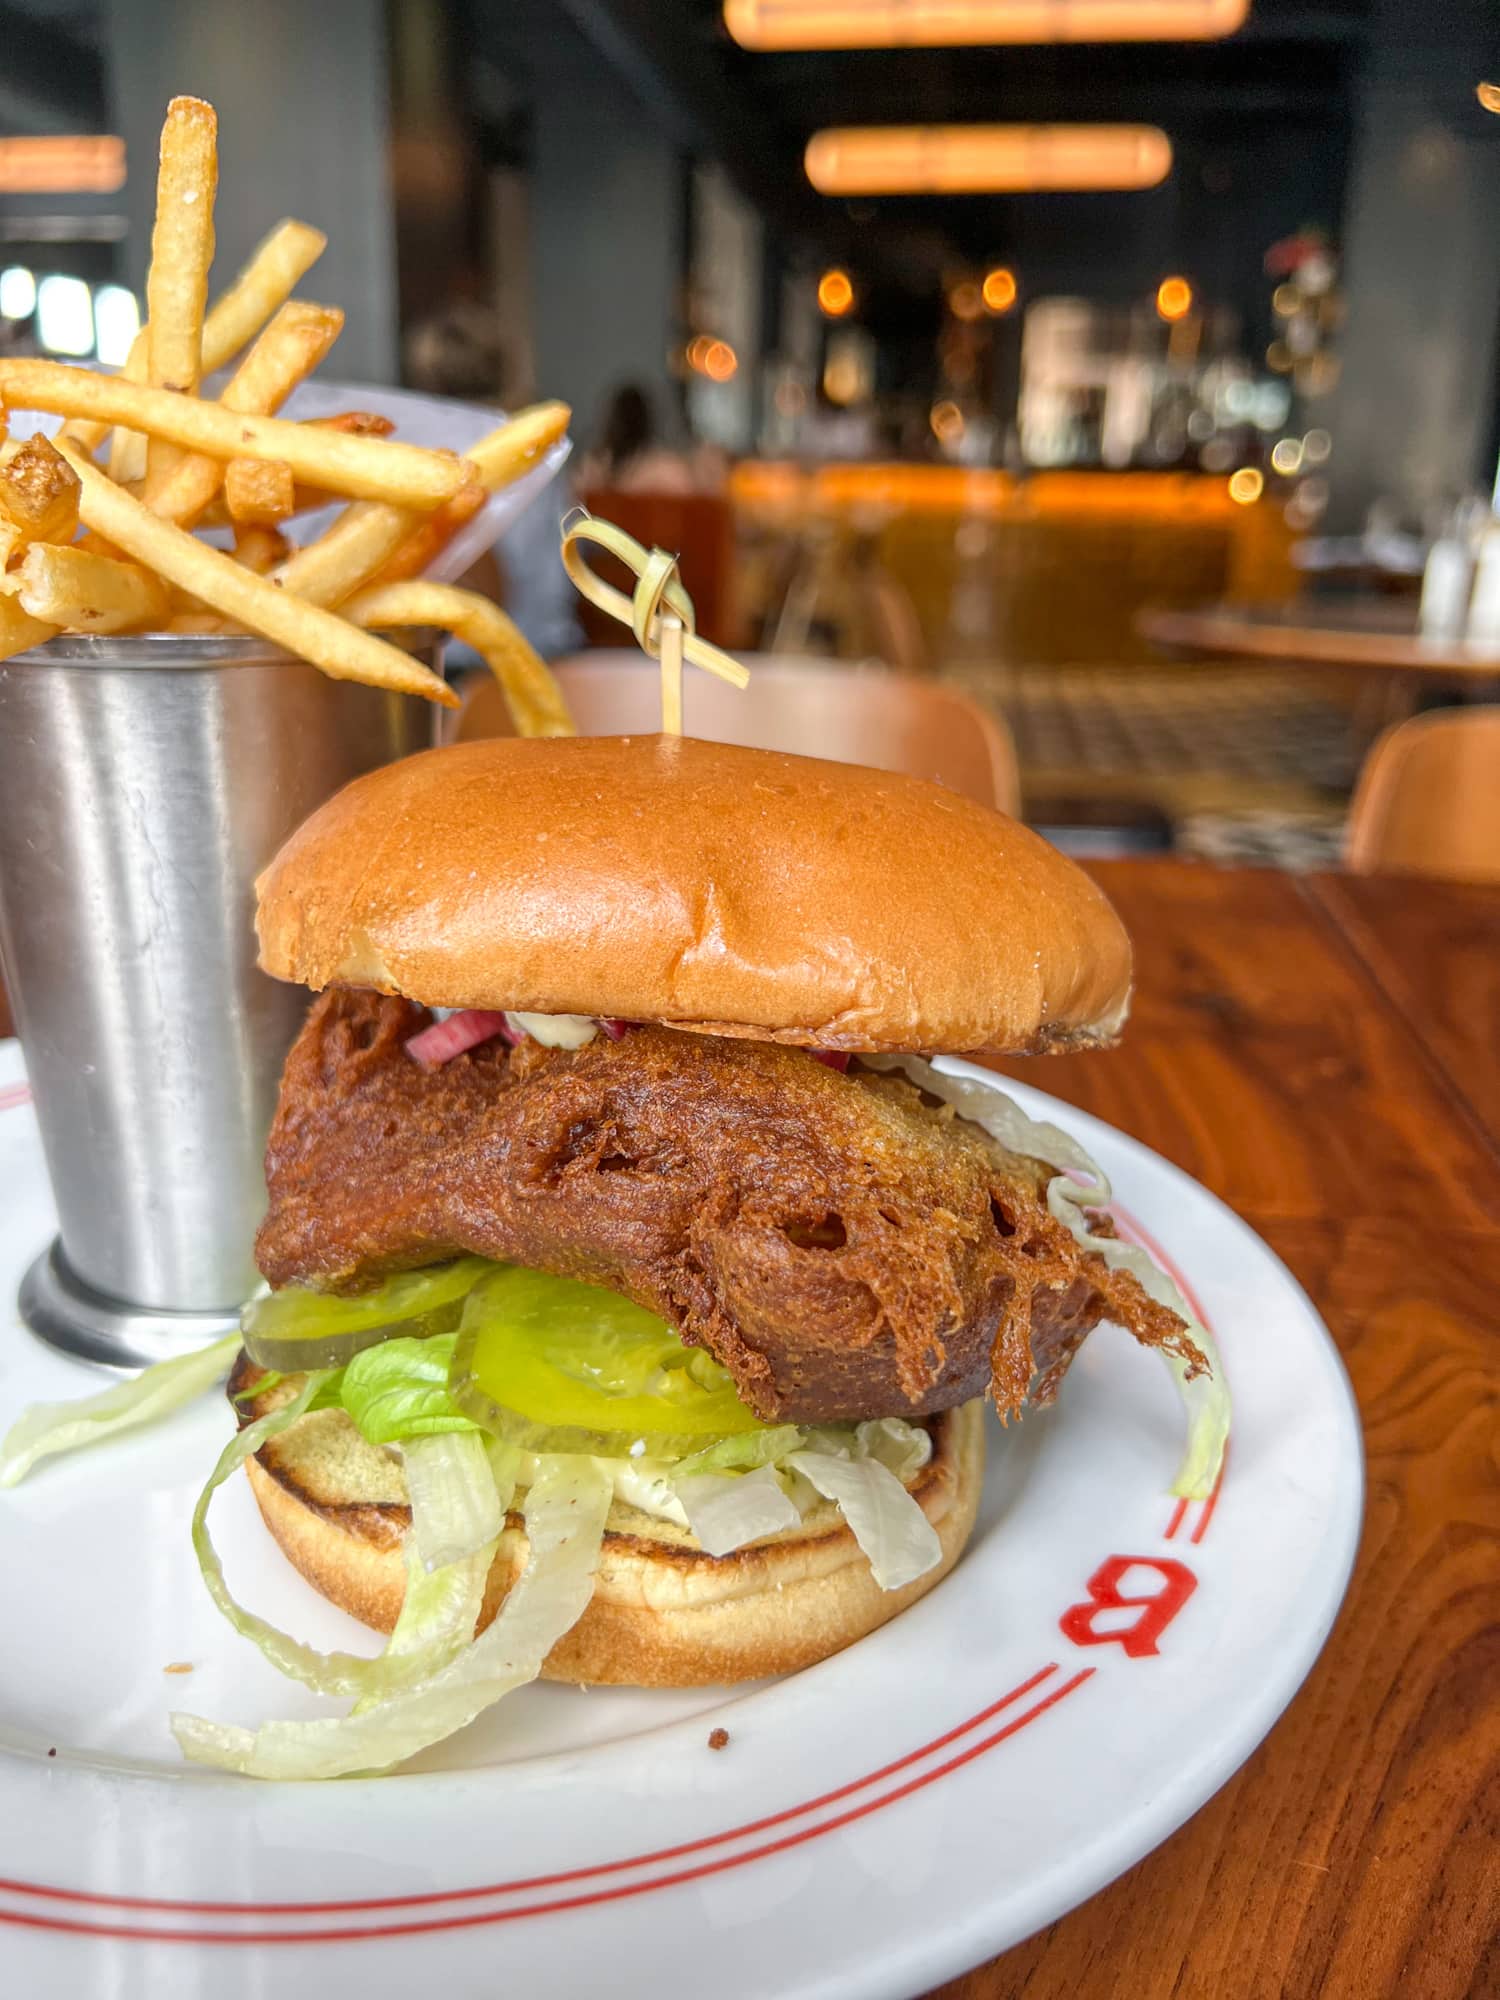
[
  {"x": 701, "y": 885},
  {"x": 663, "y": 1614}
]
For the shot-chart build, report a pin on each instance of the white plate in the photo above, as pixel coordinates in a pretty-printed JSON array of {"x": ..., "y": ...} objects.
[{"x": 875, "y": 1825}]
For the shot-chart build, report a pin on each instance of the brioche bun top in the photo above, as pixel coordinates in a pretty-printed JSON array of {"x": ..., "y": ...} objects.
[{"x": 700, "y": 885}]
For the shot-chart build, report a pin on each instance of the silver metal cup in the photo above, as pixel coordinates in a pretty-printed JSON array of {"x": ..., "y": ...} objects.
[{"x": 144, "y": 782}]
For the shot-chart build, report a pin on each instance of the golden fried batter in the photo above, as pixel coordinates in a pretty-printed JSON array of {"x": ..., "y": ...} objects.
[{"x": 843, "y": 1248}]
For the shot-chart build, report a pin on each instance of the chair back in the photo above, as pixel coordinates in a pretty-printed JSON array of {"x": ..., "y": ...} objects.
[
  {"x": 1428, "y": 799},
  {"x": 851, "y": 714}
]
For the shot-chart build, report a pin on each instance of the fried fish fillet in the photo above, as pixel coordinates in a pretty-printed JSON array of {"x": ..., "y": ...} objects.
[{"x": 844, "y": 1248}]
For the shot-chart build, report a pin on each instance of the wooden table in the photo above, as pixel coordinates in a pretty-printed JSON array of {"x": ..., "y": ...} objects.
[
  {"x": 1325, "y": 1054},
  {"x": 1359, "y": 635}
]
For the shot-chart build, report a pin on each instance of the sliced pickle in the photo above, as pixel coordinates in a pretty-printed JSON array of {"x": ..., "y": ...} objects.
[
  {"x": 555, "y": 1366},
  {"x": 298, "y": 1328}
]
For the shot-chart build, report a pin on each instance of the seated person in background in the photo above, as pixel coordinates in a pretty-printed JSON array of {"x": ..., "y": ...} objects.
[
  {"x": 461, "y": 353},
  {"x": 628, "y": 458}
]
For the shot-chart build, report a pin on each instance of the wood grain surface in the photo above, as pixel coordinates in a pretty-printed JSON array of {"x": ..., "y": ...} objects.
[
  {"x": 1382, "y": 641},
  {"x": 1323, "y": 1053}
]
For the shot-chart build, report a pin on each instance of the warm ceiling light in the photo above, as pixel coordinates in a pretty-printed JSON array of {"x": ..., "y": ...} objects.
[
  {"x": 720, "y": 362},
  {"x": 986, "y": 159},
  {"x": 1247, "y": 485},
  {"x": 835, "y": 294},
  {"x": 54, "y": 164},
  {"x": 947, "y": 421},
  {"x": 1489, "y": 96},
  {"x": 999, "y": 290},
  {"x": 696, "y": 353},
  {"x": 932, "y": 24},
  {"x": 1174, "y": 298}
]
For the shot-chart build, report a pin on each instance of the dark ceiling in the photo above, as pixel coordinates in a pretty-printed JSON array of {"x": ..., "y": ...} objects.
[{"x": 1260, "y": 124}]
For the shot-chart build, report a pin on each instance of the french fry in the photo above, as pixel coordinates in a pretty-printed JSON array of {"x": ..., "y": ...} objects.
[
  {"x": 18, "y": 629},
  {"x": 182, "y": 249},
  {"x": 261, "y": 289},
  {"x": 39, "y": 493},
  {"x": 127, "y": 458},
  {"x": 535, "y": 700},
  {"x": 260, "y": 549},
  {"x": 285, "y": 353},
  {"x": 358, "y": 423},
  {"x": 401, "y": 475},
  {"x": 516, "y": 446},
  {"x": 259, "y": 492},
  {"x": 89, "y": 593},
  {"x": 200, "y": 623},
  {"x": 218, "y": 581},
  {"x": 266, "y": 282},
  {"x": 422, "y": 547},
  {"x": 362, "y": 539}
]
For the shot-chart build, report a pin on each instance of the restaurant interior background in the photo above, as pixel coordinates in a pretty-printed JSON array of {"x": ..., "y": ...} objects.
[{"x": 1178, "y": 482}]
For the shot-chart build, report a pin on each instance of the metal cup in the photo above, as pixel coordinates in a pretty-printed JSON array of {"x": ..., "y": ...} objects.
[{"x": 144, "y": 782}]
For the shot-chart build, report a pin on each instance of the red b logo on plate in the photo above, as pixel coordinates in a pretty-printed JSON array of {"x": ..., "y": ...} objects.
[{"x": 1154, "y": 1606}]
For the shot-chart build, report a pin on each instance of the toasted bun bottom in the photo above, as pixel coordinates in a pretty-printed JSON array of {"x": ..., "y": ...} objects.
[{"x": 663, "y": 1613}]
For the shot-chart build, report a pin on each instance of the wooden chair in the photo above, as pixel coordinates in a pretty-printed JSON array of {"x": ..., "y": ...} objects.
[
  {"x": 852, "y": 714},
  {"x": 1428, "y": 799}
]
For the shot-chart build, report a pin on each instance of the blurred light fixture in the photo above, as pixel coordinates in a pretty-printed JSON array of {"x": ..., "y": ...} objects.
[
  {"x": 931, "y": 24},
  {"x": 790, "y": 399},
  {"x": 1489, "y": 96},
  {"x": 965, "y": 301},
  {"x": 849, "y": 369},
  {"x": 835, "y": 294},
  {"x": 947, "y": 421},
  {"x": 1279, "y": 357},
  {"x": 54, "y": 163},
  {"x": 117, "y": 321},
  {"x": 696, "y": 352},
  {"x": 1174, "y": 298},
  {"x": 1285, "y": 300},
  {"x": 17, "y": 292},
  {"x": 1286, "y": 455},
  {"x": 720, "y": 362},
  {"x": 999, "y": 290},
  {"x": 65, "y": 316},
  {"x": 1316, "y": 447},
  {"x": 986, "y": 159},
  {"x": 1246, "y": 485}
]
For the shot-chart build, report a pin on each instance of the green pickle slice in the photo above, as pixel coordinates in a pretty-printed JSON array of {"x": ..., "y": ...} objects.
[
  {"x": 298, "y": 1328},
  {"x": 552, "y": 1365}
]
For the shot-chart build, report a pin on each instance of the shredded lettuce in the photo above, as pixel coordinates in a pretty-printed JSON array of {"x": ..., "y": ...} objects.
[
  {"x": 399, "y": 1390},
  {"x": 1069, "y": 1200},
  {"x": 565, "y": 1512},
  {"x": 741, "y": 1453},
  {"x": 327, "y": 1673},
  {"x": 726, "y": 1513},
  {"x": 455, "y": 1505},
  {"x": 47, "y": 1428},
  {"x": 899, "y": 1541}
]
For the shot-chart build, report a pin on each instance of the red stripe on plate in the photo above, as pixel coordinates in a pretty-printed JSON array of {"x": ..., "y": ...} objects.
[
  {"x": 546, "y": 1881},
  {"x": 619, "y": 1893},
  {"x": 13, "y": 1094},
  {"x": 1211, "y": 1502},
  {"x": 1176, "y": 1521}
]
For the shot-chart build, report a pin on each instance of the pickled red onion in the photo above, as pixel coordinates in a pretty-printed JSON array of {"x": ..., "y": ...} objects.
[
  {"x": 835, "y": 1058},
  {"x": 465, "y": 1030}
]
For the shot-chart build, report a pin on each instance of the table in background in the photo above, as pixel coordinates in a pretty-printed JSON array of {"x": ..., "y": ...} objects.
[
  {"x": 1360, "y": 635},
  {"x": 1322, "y": 1053}
]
